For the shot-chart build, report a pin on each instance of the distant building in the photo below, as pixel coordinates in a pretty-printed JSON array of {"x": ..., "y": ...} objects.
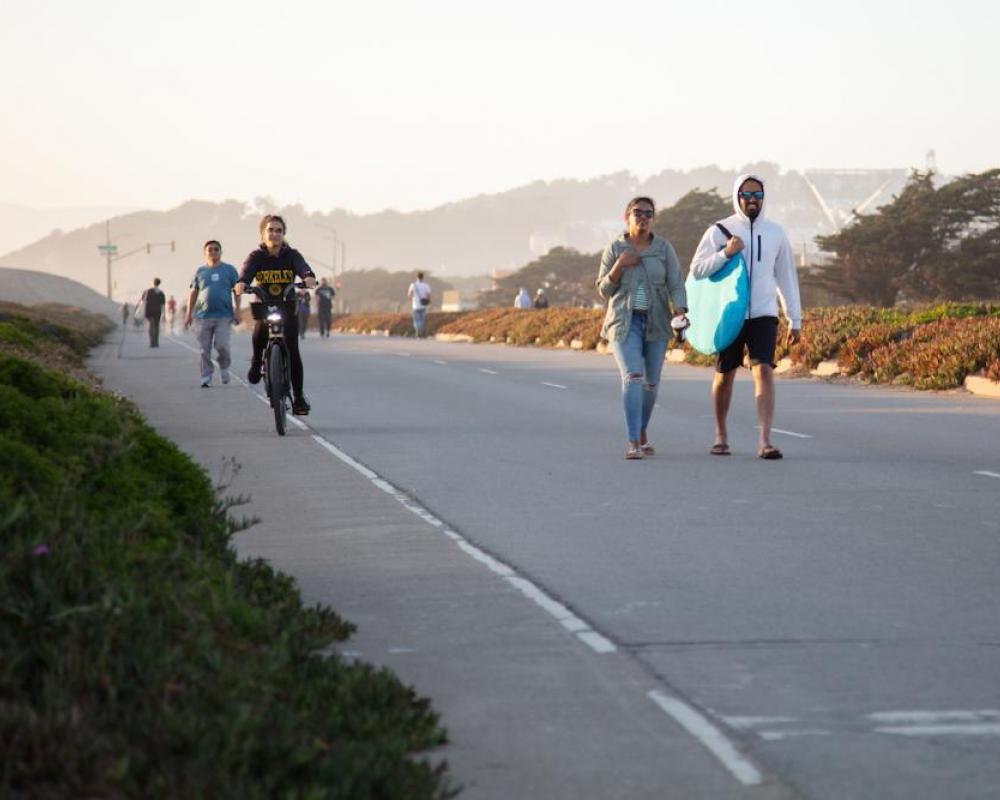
[{"x": 451, "y": 300}]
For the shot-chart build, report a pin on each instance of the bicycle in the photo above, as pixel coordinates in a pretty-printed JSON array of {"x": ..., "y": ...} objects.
[{"x": 276, "y": 365}]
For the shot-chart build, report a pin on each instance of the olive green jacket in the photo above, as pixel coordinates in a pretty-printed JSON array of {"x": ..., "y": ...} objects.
[{"x": 665, "y": 279}]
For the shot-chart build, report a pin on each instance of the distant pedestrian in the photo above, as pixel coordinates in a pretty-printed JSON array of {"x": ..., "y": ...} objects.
[
  {"x": 540, "y": 301},
  {"x": 305, "y": 308},
  {"x": 522, "y": 300},
  {"x": 211, "y": 302},
  {"x": 126, "y": 310},
  {"x": 639, "y": 272},
  {"x": 171, "y": 313},
  {"x": 773, "y": 278},
  {"x": 153, "y": 301},
  {"x": 324, "y": 307},
  {"x": 420, "y": 299}
]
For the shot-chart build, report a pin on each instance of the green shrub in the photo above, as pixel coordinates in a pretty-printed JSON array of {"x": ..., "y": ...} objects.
[{"x": 140, "y": 658}]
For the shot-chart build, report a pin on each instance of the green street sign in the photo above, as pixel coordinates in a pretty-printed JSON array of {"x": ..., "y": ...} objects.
[{"x": 108, "y": 248}]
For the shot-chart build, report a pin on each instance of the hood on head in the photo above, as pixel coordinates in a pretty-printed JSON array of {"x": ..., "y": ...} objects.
[{"x": 736, "y": 199}]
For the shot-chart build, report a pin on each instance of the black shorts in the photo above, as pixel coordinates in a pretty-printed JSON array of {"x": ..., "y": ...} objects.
[{"x": 760, "y": 336}]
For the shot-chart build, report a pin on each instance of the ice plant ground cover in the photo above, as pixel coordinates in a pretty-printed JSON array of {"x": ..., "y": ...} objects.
[{"x": 872, "y": 343}]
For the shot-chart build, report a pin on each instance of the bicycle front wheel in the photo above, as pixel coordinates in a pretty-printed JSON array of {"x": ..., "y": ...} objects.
[{"x": 276, "y": 375}]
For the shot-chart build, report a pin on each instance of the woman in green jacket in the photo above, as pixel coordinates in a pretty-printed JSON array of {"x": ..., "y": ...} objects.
[{"x": 641, "y": 279}]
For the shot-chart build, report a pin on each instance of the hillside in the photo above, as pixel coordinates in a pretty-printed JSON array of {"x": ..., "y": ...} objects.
[
  {"x": 30, "y": 288},
  {"x": 470, "y": 237}
]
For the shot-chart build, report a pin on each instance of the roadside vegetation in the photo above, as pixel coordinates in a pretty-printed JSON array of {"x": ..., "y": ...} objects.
[
  {"x": 927, "y": 347},
  {"x": 141, "y": 658}
]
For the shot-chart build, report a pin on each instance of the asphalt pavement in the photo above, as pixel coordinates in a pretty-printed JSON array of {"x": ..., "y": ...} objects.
[{"x": 823, "y": 626}]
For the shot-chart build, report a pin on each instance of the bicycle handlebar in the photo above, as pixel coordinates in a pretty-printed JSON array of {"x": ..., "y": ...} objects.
[{"x": 265, "y": 297}]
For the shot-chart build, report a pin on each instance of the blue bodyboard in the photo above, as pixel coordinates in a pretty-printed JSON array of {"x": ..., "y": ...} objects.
[{"x": 717, "y": 306}]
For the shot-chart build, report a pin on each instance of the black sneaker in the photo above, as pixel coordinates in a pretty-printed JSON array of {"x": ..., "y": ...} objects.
[
  {"x": 300, "y": 406},
  {"x": 253, "y": 376}
]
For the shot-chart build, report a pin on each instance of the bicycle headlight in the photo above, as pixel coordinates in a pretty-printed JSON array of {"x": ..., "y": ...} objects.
[{"x": 274, "y": 317}]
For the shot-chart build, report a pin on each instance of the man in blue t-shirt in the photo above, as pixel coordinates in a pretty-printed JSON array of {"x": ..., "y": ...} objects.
[{"x": 211, "y": 301}]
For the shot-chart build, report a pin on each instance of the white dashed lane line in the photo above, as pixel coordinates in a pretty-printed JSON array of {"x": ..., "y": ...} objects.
[
  {"x": 790, "y": 433},
  {"x": 554, "y": 385},
  {"x": 987, "y": 473},
  {"x": 488, "y": 371},
  {"x": 442, "y": 363}
]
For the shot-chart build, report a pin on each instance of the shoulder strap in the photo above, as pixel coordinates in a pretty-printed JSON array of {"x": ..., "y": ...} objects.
[{"x": 725, "y": 231}]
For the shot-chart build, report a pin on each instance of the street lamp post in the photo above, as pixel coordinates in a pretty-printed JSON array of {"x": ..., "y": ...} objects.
[
  {"x": 335, "y": 240},
  {"x": 110, "y": 251}
]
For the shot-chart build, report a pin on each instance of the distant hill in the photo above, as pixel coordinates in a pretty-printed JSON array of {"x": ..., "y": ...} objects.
[
  {"x": 470, "y": 237},
  {"x": 29, "y": 288}
]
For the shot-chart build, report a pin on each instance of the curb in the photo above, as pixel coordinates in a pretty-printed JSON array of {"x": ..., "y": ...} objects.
[
  {"x": 824, "y": 369},
  {"x": 982, "y": 386}
]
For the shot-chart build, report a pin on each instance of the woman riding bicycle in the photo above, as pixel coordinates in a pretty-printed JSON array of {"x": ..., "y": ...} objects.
[{"x": 274, "y": 266}]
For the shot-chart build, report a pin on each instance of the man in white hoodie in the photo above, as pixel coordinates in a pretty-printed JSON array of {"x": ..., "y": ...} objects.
[{"x": 773, "y": 279}]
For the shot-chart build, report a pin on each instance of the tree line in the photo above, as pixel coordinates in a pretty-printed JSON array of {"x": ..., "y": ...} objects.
[{"x": 932, "y": 242}]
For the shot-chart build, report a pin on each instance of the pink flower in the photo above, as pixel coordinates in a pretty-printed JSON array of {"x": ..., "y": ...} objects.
[{"x": 41, "y": 550}]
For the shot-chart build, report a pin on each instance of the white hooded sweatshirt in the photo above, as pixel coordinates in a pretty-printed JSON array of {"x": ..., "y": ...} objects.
[{"x": 768, "y": 256}]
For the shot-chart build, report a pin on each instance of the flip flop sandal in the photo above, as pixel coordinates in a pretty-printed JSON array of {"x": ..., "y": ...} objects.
[
  {"x": 647, "y": 449},
  {"x": 770, "y": 453},
  {"x": 720, "y": 450},
  {"x": 633, "y": 453}
]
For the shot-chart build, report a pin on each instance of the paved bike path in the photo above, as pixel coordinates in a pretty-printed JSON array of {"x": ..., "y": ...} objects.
[{"x": 533, "y": 708}]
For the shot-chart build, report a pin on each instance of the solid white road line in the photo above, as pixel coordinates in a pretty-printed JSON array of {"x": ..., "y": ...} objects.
[
  {"x": 488, "y": 371},
  {"x": 554, "y": 385},
  {"x": 569, "y": 620},
  {"x": 695, "y": 723},
  {"x": 987, "y": 473}
]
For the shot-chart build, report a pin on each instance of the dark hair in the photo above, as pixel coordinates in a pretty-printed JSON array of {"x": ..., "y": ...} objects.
[
  {"x": 271, "y": 218},
  {"x": 156, "y": 281},
  {"x": 420, "y": 276},
  {"x": 211, "y": 241},
  {"x": 636, "y": 200}
]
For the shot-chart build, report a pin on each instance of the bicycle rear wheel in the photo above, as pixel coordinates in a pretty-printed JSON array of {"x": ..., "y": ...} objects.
[{"x": 278, "y": 387}]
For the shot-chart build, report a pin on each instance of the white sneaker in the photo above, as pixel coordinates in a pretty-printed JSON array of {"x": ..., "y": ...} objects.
[
  {"x": 206, "y": 382},
  {"x": 225, "y": 376}
]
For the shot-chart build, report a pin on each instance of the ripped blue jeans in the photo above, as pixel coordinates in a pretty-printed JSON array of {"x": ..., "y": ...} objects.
[{"x": 640, "y": 363}]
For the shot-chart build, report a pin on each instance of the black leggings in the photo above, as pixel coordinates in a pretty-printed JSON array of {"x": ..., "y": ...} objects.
[{"x": 291, "y": 342}]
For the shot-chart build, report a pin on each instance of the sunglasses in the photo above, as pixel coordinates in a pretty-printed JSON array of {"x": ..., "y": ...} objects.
[
  {"x": 755, "y": 195},
  {"x": 639, "y": 213}
]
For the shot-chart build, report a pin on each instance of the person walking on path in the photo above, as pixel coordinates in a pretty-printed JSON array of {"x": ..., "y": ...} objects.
[
  {"x": 773, "y": 278},
  {"x": 153, "y": 301},
  {"x": 641, "y": 279},
  {"x": 171, "y": 314},
  {"x": 324, "y": 307},
  {"x": 125, "y": 313},
  {"x": 420, "y": 299},
  {"x": 522, "y": 300},
  {"x": 541, "y": 301},
  {"x": 211, "y": 302},
  {"x": 274, "y": 266},
  {"x": 305, "y": 309}
]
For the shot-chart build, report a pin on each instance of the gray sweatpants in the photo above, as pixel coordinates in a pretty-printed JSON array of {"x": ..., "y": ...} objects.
[{"x": 219, "y": 330}]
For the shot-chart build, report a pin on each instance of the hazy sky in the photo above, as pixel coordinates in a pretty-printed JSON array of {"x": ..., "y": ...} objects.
[{"x": 368, "y": 105}]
